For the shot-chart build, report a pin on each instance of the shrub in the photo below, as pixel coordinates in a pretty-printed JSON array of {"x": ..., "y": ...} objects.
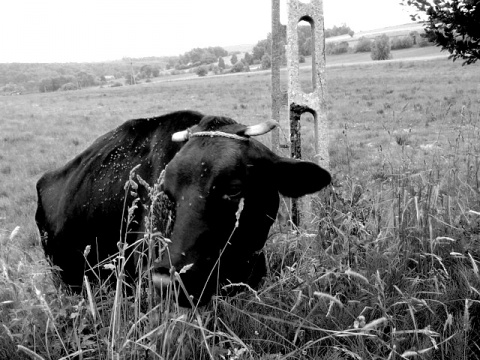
[
  {"x": 301, "y": 59},
  {"x": 415, "y": 36},
  {"x": 423, "y": 41},
  {"x": 238, "y": 67},
  {"x": 130, "y": 80},
  {"x": 221, "y": 63},
  {"x": 201, "y": 70},
  {"x": 266, "y": 62},
  {"x": 216, "y": 69},
  {"x": 68, "y": 86},
  {"x": 248, "y": 59},
  {"x": 381, "y": 48},
  {"x": 403, "y": 42},
  {"x": 363, "y": 45},
  {"x": 337, "y": 48}
]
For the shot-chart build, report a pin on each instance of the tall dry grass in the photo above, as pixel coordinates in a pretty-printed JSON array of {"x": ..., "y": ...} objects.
[{"x": 386, "y": 267}]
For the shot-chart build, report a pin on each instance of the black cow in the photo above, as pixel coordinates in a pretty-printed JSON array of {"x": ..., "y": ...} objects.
[{"x": 212, "y": 168}]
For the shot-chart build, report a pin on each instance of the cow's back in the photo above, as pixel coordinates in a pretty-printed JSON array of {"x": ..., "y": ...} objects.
[{"x": 83, "y": 202}]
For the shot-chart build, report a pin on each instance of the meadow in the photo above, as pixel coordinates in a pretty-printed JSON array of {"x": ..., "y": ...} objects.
[{"x": 387, "y": 268}]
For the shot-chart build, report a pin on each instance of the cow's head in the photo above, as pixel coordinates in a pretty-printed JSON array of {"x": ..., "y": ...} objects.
[{"x": 219, "y": 175}]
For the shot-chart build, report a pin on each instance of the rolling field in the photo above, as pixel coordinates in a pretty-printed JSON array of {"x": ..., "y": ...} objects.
[{"x": 395, "y": 241}]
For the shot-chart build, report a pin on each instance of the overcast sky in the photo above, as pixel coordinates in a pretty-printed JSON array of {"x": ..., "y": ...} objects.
[{"x": 99, "y": 30}]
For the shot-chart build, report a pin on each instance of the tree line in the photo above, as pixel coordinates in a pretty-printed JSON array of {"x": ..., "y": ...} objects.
[
  {"x": 46, "y": 77},
  {"x": 23, "y": 77},
  {"x": 451, "y": 25},
  {"x": 262, "y": 51}
]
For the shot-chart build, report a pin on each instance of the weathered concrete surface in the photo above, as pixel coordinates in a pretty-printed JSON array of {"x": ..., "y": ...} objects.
[
  {"x": 276, "y": 60},
  {"x": 298, "y": 100}
]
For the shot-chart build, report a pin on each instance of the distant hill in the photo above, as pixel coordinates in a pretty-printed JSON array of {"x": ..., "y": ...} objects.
[
  {"x": 240, "y": 48},
  {"x": 391, "y": 31}
]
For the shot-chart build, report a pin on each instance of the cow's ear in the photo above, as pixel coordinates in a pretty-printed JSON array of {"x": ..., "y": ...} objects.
[{"x": 296, "y": 178}]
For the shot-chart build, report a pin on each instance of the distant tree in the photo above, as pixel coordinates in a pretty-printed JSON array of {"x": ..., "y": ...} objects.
[
  {"x": 453, "y": 25},
  {"x": 381, "y": 48},
  {"x": 68, "y": 86},
  {"x": 208, "y": 58},
  {"x": 216, "y": 70},
  {"x": 336, "y": 48},
  {"x": 339, "y": 30},
  {"x": 55, "y": 83},
  {"x": 233, "y": 59},
  {"x": 221, "y": 63},
  {"x": 363, "y": 45},
  {"x": 304, "y": 39},
  {"x": 424, "y": 41},
  {"x": 218, "y": 51},
  {"x": 12, "y": 88},
  {"x": 261, "y": 48},
  {"x": 45, "y": 85},
  {"x": 199, "y": 56},
  {"x": 238, "y": 67},
  {"x": 306, "y": 48},
  {"x": 248, "y": 59},
  {"x": 155, "y": 71},
  {"x": 202, "y": 70},
  {"x": 85, "y": 79},
  {"x": 146, "y": 71},
  {"x": 129, "y": 79},
  {"x": 404, "y": 42},
  {"x": 171, "y": 63},
  {"x": 266, "y": 62}
]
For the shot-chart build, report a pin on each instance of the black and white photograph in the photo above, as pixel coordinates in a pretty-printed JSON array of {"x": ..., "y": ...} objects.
[{"x": 240, "y": 180}]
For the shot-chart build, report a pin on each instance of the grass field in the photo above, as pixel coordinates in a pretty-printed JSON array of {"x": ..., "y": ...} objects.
[{"x": 395, "y": 240}]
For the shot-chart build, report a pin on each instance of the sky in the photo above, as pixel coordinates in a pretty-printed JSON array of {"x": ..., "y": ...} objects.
[{"x": 102, "y": 30}]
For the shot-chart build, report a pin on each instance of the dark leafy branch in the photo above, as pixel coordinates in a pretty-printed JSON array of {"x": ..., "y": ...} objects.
[{"x": 454, "y": 25}]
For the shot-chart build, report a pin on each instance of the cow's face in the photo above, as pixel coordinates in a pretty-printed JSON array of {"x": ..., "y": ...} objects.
[{"x": 226, "y": 193}]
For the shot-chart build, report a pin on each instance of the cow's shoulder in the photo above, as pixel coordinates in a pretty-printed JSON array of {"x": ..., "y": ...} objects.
[
  {"x": 100, "y": 171},
  {"x": 131, "y": 140}
]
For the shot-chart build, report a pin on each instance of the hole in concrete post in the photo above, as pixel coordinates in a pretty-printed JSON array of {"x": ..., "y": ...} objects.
[{"x": 306, "y": 53}]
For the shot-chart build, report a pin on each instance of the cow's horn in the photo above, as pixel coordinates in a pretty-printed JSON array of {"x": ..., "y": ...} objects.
[
  {"x": 261, "y": 128},
  {"x": 180, "y": 136}
]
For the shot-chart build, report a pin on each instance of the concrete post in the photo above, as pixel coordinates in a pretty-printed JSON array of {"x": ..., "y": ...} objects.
[
  {"x": 276, "y": 60},
  {"x": 299, "y": 101}
]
